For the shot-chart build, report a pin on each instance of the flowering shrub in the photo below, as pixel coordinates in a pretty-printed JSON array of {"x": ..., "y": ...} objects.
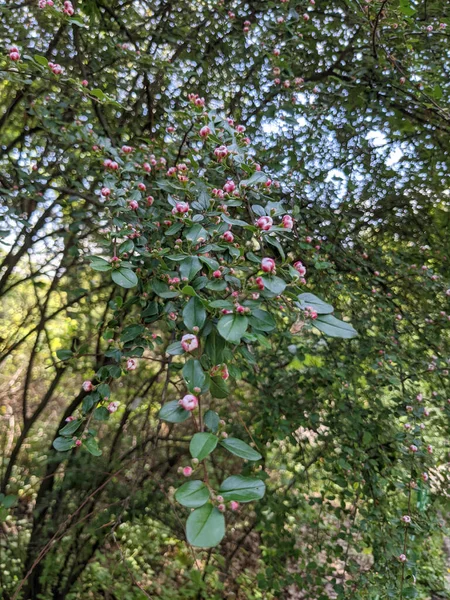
[{"x": 193, "y": 242}]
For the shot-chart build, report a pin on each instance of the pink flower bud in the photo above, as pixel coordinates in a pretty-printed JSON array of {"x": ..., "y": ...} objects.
[
  {"x": 113, "y": 406},
  {"x": 133, "y": 204},
  {"x": 217, "y": 274},
  {"x": 189, "y": 342},
  {"x": 234, "y": 505},
  {"x": 88, "y": 386},
  {"x": 131, "y": 364},
  {"x": 229, "y": 187},
  {"x": 287, "y": 222},
  {"x": 105, "y": 191},
  {"x": 228, "y": 236},
  {"x": 268, "y": 265},
  {"x": 78, "y": 443},
  {"x": 142, "y": 187},
  {"x": 187, "y": 471},
  {"x": 204, "y": 131},
  {"x": 402, "y": 558},
  {"x": 189, "y": 402},
  {"x": 300, "y": 268},
  {"x": 264, "y": 223}
]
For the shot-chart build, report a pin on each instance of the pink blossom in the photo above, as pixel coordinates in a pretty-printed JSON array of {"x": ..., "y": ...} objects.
[
  {"x": 88, "y": 386},
  {"x": 68, "y": 8},
  {"x": 229, "y": 187},
  {"x": 234, "y": 505},
  {"x": 300, "y": 268},
  {"x": 221, "y": 152},
  {"x": 131, "y": 364},
  {"x": 189, "y": 342},
  {"x": 187, "y": 471},
  {"x": 133, "y": 204},
  {"x": 85, "y": 83},
  {"x": 204, "y": 131},
  {"x": 268, "y": 265},
  {"x": 228, "y": 236},
  {"x": 402, "y": 558},
  {"x": 217, "y": 274},
  {"x": 264, "y": 223},
  {"x": 78, "y": 443},
  {"x": 189, "y": 402},
  {"x": 113, "y": 406},
  {"x": 287, "y": 222},
  {"x": 180, "y": 208},
  {"x": 105, "y": 191},
  {"x": 127, "y": 149}
]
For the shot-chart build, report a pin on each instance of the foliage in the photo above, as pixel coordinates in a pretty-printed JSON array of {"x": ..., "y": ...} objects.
[{"x": 346, "y": 110}]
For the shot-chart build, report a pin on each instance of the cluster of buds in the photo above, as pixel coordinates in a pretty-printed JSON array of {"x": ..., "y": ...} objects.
[
  {"x": 310, "y": 312},
  {"x": 110, "y": 164},
  {"x": 68, "y": 8},
  {"x": 44, "y": 3},
  {"x": 55, "y": 68},
  {"x": 14, "y": 53},
  {"x": 196, "y": 100}
]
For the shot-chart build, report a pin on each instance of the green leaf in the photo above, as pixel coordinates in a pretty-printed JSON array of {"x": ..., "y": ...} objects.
[
  {"x": 126, "y": 246},
  {"x": 91, "y": 446},
  {"x": 211, "y": 420},
  {"x": 232, "y": 327},
  {"x": 335, "y": 327},
  {"x": 194, "y": 313},
  {"x": 274, "y": 285},
  {"x": 62, "y": 444},
  {"x": 99, "y": 264},
  {"x": 242, "y": 489},
  {"x": 321, "y": 307},
  {"x": 70, "y": 428},
  {"x": 202, "y": 444},
  {"x": 262, "y": 320},
  {"x": 64, "y": 354},
  {"x": 97, "y": 93},
  {"x": 173, "y": 412},
  {"x": 205, "y": 527},
  {"x": 190, "y": 267},
  {"x": 211, "y": 262},
  {"x": 175, "y": 349},
  {"x": 124, "y": 277},
  {"x": 8, "y": 501},
  {"x": 257, "y": 177},
  {"x": 101, "y": 413},
  {"x": 41, "y": 60},
  {"x": 192, "y": 494},
  {"x": 195, "y": 233},
  {"x": 193, "y": 374},
  {"x": 131, "y": 332},
  {"x": 240, "y": 448},
  {"x": 218, "y": 387}
]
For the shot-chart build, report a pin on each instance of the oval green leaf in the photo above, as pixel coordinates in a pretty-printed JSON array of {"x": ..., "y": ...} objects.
[
  {"x": 333, "y": 327},
  {"x": 232, "y": 327},
  {"x": 202, "y": 444},
  {"x": 124, "y": 277},
  {"x": 173, "y": 412},
  {"x": 192, "y": 494},
  {"x": 240, "y": 448},
  {"x": 242, "y": 489},
  {"x": 205, "y": 527}
]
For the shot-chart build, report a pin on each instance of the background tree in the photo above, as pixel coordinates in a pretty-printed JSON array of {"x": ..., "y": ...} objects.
[{"x": 346, "y": 106}]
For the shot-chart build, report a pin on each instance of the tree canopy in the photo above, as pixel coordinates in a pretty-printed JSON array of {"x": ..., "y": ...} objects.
[{"x": 225, "y": 295}]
